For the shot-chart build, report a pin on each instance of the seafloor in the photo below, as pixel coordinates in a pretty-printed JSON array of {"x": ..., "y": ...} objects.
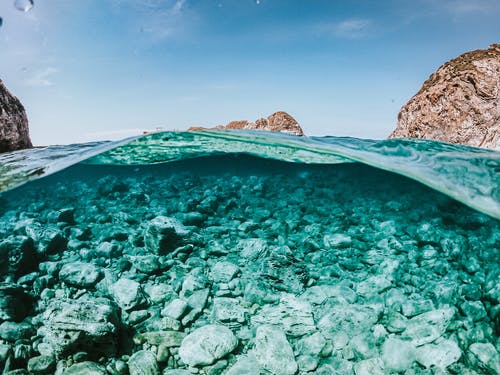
[{"x": 237, "y": 265}]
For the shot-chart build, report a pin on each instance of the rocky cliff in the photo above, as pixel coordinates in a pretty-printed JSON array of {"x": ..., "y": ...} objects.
[
  {"x": 277, "y": 122},
  {"x": 459, "y": 103},
  {"x": 14, "y": 132}
]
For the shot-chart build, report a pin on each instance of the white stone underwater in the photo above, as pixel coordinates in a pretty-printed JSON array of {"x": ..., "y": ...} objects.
[{"x": 233, "y": 253}]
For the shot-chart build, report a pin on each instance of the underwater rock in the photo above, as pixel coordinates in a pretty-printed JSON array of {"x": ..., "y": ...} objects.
[
  {"x": 252, "y": 248},
  {"x": 281, "y": 270},
  {"x": 429, "y": 326},
  {"x": 82, "y": 324},
  {"x": 458, "y": 103},
  {"x": 143, "y": 362},
  {"x": 228, "y": 310},
  {"x": 14, "y": 130},
  {"x": 207, "y": 344},
  {"x": 163, "y": 234},
  {"x": 277, "y": 122},
  {"x": 343, "y": 317},
  {"x": 17, "y": 255},
  {"x": 309, "y": 350},
  {"x": 273, "y": 351},
  {"x": 15, "y": 303},
  {"x": 398, "y": 355},
  {"x": 175, "y": 309},
  {"x": 79, "y": 274},
  {"x": 223, "y": 272},
  {"x": 164, "y": 338},
  {"x": 85, "y": 368},
  {"x": 244, "y": 365},
  {"x": 11, "y": 331},
  {"x": 311, "y": 345},
  {"x": 159, "y": 293},
  {"x": 49, "y": 239},
  {"x": 43, "y": 364},
  {"x": 293, "y": 315},
  {"x": 440, "y": 354},
  {"x": 127, "y": 293},
  {"x": 146, "y": 263},
  {"x": 372, "y": 366},
  {"x": 483, "y": 357}
]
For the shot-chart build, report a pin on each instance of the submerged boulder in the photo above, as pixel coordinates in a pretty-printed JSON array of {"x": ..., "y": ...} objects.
[
  {"x": 14, "y": 132},
  {"x": 273, "y": 351},
  {"x": 17, "y": 255},
  {"x": 458, "y": 103},
  {"x": 15, "y": 303},
  {"x": 163, "y": 234},
  {"x": 90, "y": 325},
  {"x": 207, "y": 344},
  {"x": 79, "y": 274},
  {"x": 143, "y": 362}
]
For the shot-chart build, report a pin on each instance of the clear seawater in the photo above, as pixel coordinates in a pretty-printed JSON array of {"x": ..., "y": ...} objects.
[{"x": 248, "y": 253}]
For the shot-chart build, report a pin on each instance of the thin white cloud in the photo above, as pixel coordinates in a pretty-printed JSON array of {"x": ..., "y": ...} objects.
[
  {"x": 348, "y": 28},
  {"x": 352, "y": 27},
  {"x": 41, "y": 78}
]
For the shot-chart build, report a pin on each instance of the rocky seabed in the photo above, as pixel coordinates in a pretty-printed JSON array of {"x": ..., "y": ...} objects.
[{"x": 264, "y": 274}]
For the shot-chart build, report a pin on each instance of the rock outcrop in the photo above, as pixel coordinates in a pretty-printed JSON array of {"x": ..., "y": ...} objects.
[
  {"x": 277, "y": 122},
  {"x": 14, "y": 132},
  {"x": 459, "y": 103}
]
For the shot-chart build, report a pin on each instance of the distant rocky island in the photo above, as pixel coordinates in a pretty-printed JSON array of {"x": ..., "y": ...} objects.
[
  {"x": 14, "y": 132},
  {"x": 459, "y": 103},
  {"x": 277, "y": 122}
]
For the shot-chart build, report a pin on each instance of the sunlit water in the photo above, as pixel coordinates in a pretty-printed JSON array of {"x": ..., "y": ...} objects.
[{"x": 247, "y": 253}]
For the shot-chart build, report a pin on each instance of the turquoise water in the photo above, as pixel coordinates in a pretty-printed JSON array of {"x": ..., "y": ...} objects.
[{"x": 247, "y": 253}]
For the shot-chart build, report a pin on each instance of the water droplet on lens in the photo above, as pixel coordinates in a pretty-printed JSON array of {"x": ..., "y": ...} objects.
[{"x": 24, "y": 5}]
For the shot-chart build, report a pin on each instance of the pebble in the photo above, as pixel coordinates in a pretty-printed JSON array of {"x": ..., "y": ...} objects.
[
  {"x": 175, "y": 309},
  {"x": 273, "y": 351},
  {"x": 143, "y": 362},
  {"x": 245, "y": 365},
  {"x": 440, "y": 354},
  {"x": 429, "y": 326},
  {"x": 79, "y": 274},
  {"x": 398, "y": 355},
  {"x": 11, "y": 331},
  {"x": 85, "y": 368},
  {"x": 372, "y": 366},
  {"x": 127, "y": 293},
  {"x": 484, "y": 357},
  {"x": 207, "y": 344},
  {"x": 42, "y": 364}
]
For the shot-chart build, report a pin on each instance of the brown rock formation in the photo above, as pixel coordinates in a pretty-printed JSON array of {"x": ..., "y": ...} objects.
[
  {"x": 277, "y": 122},
  {"x": 459, "y": 103},
  {"x": 14, "y": 132}
]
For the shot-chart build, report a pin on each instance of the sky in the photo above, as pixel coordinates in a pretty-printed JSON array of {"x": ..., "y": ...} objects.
[{"x": 106, "y": 69}]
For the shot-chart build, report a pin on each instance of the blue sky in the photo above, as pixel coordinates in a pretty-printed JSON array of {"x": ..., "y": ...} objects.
[{"x": 105, "y": 69}]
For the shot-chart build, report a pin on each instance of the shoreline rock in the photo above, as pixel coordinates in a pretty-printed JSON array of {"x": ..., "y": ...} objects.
[
  {"x": 277, "y": 122},
  {"x": 14, "y": 130},
  {"x": 459, "y": 103}
]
